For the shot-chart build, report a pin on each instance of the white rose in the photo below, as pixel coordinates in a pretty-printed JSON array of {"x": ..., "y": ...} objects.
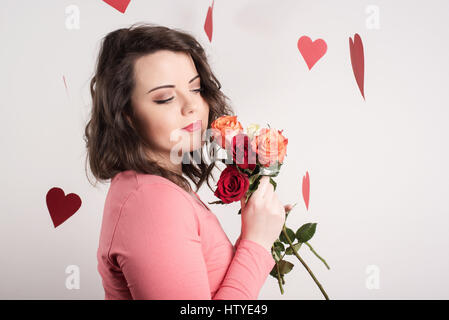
[{"x": 252, "y": 130}]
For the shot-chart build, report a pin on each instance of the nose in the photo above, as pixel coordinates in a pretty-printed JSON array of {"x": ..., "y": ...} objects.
[
  {"x": 188, "y": 104},
  {"x": 188, "y": 109}
]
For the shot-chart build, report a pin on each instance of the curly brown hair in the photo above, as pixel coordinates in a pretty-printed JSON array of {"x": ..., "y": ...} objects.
[{"x": 114, "y": 138}]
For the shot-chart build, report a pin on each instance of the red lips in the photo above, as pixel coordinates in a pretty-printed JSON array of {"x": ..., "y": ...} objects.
[{"x": 193, "y": 126}]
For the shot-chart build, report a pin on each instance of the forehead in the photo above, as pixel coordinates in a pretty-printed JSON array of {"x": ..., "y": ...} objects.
[{"x": 164, "y": 67}]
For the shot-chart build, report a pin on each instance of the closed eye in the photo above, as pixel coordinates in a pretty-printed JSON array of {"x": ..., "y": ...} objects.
[{"x": 170, "y": 99}]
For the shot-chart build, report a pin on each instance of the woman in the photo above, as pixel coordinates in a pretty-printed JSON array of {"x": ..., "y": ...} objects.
[{"x": 158, "y": 240}]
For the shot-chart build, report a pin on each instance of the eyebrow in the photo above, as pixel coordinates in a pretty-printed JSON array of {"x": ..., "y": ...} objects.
[{"x": 171, "y": 85}]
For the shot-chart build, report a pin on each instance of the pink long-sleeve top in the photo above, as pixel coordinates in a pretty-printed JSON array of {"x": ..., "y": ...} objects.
[{"x": 158, "y": 241}]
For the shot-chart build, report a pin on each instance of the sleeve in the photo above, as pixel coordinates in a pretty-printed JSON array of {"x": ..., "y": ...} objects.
[
  {"x": 158, "y": 248},
  {"x": 236, "y": 244},
  {"x": 247, "y": 272}
]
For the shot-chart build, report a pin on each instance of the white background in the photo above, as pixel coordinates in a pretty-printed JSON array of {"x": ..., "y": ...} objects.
[{"x": 379, "y": 179}]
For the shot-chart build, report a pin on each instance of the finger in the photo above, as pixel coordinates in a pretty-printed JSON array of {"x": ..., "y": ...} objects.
[
  {"x": 275, "y": 202},
  {"x": 262, "y": 187},
  {"x": 269, "y": 188}
]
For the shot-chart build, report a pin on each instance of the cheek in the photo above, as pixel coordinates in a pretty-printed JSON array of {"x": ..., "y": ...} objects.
[
  {"x": 206, "y": 113},
  {"x": 205, "y": 116},
  {"x": 156, "y": 127},
  {"x": 168, "y": 134},
  {"x": 162, "y": 130}
]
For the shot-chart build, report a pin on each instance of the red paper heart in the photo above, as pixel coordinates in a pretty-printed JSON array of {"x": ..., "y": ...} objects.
[
  {"x": 358, "y": 61},
  {"x": 311, "y": 51},
  {"x": 120, "y": 5},
  {"x": 306, "y": 189},
  {"x": 208, "y": 26},
  {"x": 60, "y": 206}
]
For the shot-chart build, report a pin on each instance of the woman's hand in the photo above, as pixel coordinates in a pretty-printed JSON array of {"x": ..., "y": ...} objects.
[
  {"x": 287, "y": 207},
  {"x": 263, "y": 216}
]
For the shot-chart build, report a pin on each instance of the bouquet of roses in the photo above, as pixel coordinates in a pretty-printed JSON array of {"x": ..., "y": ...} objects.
[{"x": 249, "y": 156}]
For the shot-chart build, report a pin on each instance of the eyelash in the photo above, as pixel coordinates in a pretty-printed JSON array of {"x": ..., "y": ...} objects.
[{"x": 168, "y": 100}]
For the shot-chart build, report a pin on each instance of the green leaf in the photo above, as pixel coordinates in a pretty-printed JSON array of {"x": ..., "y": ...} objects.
[
  {"x": 285, "y": 267},
  {"x": 290, "y": 233},
  {"x": 274, "y": 272},
  {"x": 289, "y": 250},
  {"x": 273, "y": 183},
  {"x": 215, "y": 202},
  {"x": 306, "y": 232},
  {"x": 279, "y": 245},
  {"x": 253, "y": 178},
  {"x": 252, "y": 188},
  {"x": 276, "y": 255},
  {"x": 254, "y": 182}
]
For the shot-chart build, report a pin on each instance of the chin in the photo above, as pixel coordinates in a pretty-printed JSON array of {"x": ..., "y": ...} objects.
[{"x": 192, "y": 145}]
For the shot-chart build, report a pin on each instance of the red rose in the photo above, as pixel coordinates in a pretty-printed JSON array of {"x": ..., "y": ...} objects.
[
  {"x": 232, "y": 185},
  {"x": 242, "y": 152}
]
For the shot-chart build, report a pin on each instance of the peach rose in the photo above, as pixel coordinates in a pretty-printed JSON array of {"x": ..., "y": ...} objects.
[
  {"x": 270, "y": 146},
  {"x": 226, "y": 127}
]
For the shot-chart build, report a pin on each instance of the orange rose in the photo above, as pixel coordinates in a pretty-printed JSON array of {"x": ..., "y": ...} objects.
[
  {"x": 225, "y": 127},
  {"x": 270, "y": 146}
]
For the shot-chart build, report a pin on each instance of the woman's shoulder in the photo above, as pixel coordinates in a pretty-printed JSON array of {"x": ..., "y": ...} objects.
[
  {"x": 146, "y": 179},
  {"x": 133, "y": 180},
  {"x": 151, "y": 206},
  {"x": 156, "y": 200},
  {"x": 150, "y": 187}
]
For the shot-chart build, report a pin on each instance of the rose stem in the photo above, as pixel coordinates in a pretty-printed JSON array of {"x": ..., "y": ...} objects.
[
  {"x": 304, "y": 264},
  {"x": 279, "y": 279},
  {"x": 317, "y": 254}
]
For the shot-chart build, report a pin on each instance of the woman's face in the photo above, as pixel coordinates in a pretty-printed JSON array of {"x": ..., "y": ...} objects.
[{"x": 166, "y": 98}]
